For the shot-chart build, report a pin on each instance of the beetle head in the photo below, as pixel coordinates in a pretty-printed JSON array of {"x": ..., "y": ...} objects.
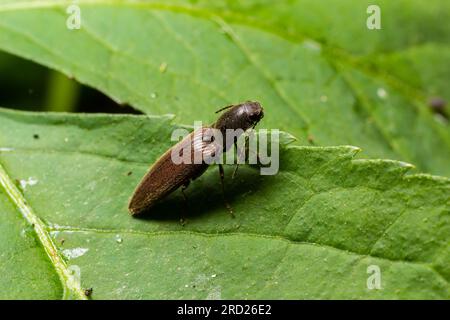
[{"x": 242, "y": 116}]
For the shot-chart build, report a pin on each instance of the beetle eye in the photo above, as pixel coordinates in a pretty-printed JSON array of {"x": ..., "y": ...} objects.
[{"x": 254, "y": 116}]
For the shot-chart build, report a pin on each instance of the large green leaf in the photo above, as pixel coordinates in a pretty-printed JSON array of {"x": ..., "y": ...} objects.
[
  {"x": 316, "y": 68},
  {"x": 311, "y": 231}
]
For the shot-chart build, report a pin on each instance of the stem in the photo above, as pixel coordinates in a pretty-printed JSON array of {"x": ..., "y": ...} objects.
[{"x": 62, "y": 94}]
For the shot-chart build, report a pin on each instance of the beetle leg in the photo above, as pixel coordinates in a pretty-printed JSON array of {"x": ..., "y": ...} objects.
[
  {"x": 186, "y": 203},
  {"x": 222, "y": 175},
  {"x": 239, "y": 156}
]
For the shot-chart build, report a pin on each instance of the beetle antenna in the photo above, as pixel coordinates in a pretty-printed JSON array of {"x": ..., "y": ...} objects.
[{"x": 224, "y": 108}]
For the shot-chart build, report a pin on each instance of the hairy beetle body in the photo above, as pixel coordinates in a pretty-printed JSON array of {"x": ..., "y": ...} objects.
[{"x": 165, "y": 176}]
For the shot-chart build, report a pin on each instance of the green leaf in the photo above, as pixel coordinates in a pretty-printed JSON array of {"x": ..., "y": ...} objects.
[
  {"x": 318, "y": 71},
  {"x": 311, "y": 231}
]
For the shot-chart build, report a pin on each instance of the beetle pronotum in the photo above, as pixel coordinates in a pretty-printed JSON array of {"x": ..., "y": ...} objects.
[{"x": 165, "y": 176}]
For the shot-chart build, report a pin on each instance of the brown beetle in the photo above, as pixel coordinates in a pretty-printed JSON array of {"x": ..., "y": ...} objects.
[{"x": 165, "y": 176}]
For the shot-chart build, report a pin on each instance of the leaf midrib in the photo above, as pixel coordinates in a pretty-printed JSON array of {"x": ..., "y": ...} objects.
[
  {"x": 283, "y": 238},
  {"x": 70, "y": 285}
]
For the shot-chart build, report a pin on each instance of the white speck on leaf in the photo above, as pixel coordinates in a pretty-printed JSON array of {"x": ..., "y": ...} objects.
[
  {"x": 6, "y": 149},
  {"x": 30, "y": 182},
  {"x": 215, "y": 293},
  {"x": 153, "y": 95},
  {"x": 119, "y": 239},
  {"x": 74, "y": 253},
  {"x": 163, "y": 67},
  {"x": 381, "y": 93},
  {"x": 313, "y": 45},
  {"x": 54, "y": 234},
  {"x": 91, "y": 186}
]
